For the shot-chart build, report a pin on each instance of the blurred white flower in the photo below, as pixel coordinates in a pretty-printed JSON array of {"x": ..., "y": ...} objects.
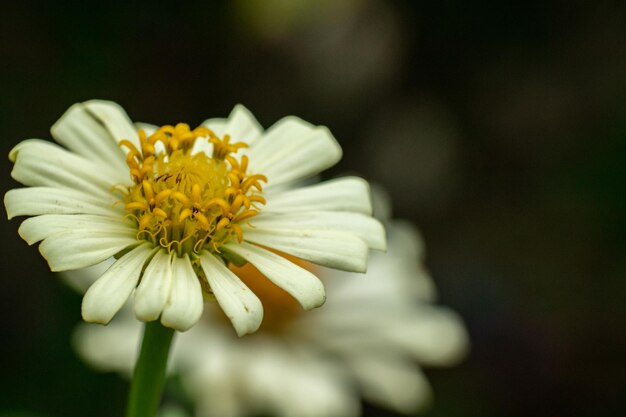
[
  {"x": 176, "y": 205},
  {"x": 370, "y": 339}
]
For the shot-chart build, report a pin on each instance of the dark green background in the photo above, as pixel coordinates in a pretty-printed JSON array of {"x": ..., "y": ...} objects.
[{"x": 498, "y": 127}]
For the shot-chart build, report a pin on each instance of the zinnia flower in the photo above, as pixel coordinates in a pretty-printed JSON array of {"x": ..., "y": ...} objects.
[
  {"x": 371, "y": 338},
  {"x": 176, "y": 205}
]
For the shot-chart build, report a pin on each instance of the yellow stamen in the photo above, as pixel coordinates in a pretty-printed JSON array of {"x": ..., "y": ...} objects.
[
  {"x": 162, "y": 196},
  {"x": 238, "y": 232},
  {"x": 190, "y": 202},
  {"x": 136, "y": 205},
  {"x": 258, "y": 199},
  {"x": 204, "y": 222},
  {"x": 182, "y": 198},
  {"x": 195, "y": 193},
  {"x": 236, "y": 205},
  {"x": 244, "y": 163},
  {"x": 221, "y": 203},
  {"x": 222, "y": 223},
  {"x": 184, "y": 215},
  {"x": 145, "y": 220},
  {"x": 246, "y": 215},
  {"x": 159, "y": 213},
  {"x": 128, "y": 144},
  {"x": 147, "y": 190},
  {"x": 234, "y": 179}
]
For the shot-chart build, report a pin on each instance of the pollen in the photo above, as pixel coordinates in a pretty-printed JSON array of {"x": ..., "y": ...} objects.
[{"x": 185, "y": 200}]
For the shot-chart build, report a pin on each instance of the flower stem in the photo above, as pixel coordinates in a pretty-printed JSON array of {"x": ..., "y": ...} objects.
[{"x": 149, "y": 376}]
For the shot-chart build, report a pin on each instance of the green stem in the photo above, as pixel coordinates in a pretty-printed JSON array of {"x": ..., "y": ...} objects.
[{"x": 149, "y": 376}]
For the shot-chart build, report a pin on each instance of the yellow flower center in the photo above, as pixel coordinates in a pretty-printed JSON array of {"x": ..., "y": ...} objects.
[{"x": 185, "y": 200}]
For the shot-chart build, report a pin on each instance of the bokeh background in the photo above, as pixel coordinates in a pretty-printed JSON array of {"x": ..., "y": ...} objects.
[{"x": 498, "y": 127}]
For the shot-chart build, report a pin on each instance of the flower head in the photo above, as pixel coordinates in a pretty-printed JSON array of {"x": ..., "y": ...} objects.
[
  {"x": 176, "y": 206},
  {"x": 371, "y": 337}
]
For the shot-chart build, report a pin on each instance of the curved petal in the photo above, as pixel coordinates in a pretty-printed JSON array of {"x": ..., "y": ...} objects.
[
  {"x": 202, "y": 146},
  {"x": 34, "y": 201},
  {"x": 285, "y": 383},
  {"x": 114, "y": 119},
  {"x": 342, "y": 194},
  {"x": 154, "y": 288},
  {"x": 405, "y": 240},
  {"x": 300, "y": 283},
  {"x": 85, "y": 135},
  {"x": 293, "y": 149},
  {"x": 240, "y": 125},
  {"x": 81, "y": 279},
  {"x": 110, "y": 348},
  {"x": 34, "y": 229},
  {"x": 212, "y": 379},
  {"x": 435, "y": 336},
  {"x": 216, "y": 124},
  {"x": 391, "y": 382},
  {"x": 240, "y": 305},
  {"x": 108, "y": 294},
  {"x": 74, "y": 249},
  {"x": 185, "y": 304},
  {"x": 366, "y": 228},
  {"x": 327, "y": 248},
  {"x": 40, "y": 163}
]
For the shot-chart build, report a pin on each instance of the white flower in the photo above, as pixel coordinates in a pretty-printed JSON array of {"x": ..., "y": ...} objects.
[
  {"x": 175, "y": 206},
  {"x": 372, "y": 336}
]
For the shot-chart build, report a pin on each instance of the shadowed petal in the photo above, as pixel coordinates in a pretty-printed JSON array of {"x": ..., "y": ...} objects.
[{"x": 241, "y": 306}]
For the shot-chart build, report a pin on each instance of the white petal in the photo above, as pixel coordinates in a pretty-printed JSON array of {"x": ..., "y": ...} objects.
[
  {"x": 148, "y": 128},
  {"x": 240, "y": 305},
  {"x": 216, "y": 124},
  {"x": 366, "y": 228},
  {"x": 391, "y": 382},
  {"x": 85, "y": 135},
  {"x": 327, "y": 248},
  {"x": 435, "y": 336},
  {"x": 382, "y": 203},
  {"x": 34, "y": 201},
  {"x": 34, "y": 229},
  {"x": 81, "y": 279},
  {"x": 293, "y": 149},
  {"x": 286, "y": 383},
  {"x": 114, "y": 119},
  {"x": 185, "y": 304},
  {"x": 342, "y": 194},
  {"x": 408, "y": 286},
  {"x": 110, "y": 348},
  {"x": 240, "y": 125},
  {"x": 201, "y": 146},
  {"x": 211, "y": 378},
  {"x": 406, "y": 240},
  {"x": 109, "y": 293},
  {"x": 300, "y": 283},
  {"x": 39, "y": 163},
  {"x": 154, "y": 288},
  {"x": 74, "y": 249},
  {"x": 283, "y": 132}
]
